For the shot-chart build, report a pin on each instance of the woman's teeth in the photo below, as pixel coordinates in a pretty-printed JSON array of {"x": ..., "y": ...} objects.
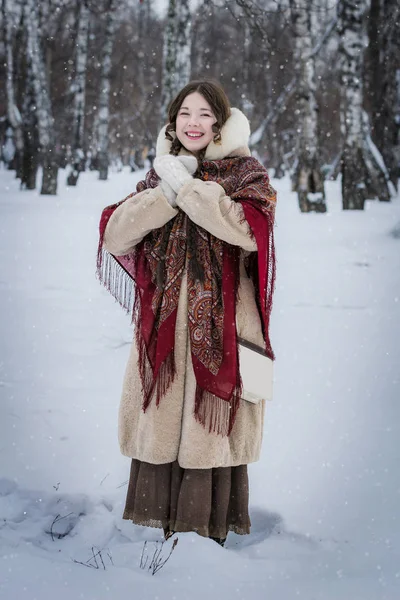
[{"x": 194, "y": 135}]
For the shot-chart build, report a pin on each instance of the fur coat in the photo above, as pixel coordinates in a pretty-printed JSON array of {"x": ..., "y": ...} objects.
[{"x": 170, "y": 432}]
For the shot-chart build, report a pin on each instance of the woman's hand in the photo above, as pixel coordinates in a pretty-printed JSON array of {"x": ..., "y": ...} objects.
[
  {"x": 168, "y": 193},
  {"x": 190, "y": 162},
  {"x": 175, "y": 170}
]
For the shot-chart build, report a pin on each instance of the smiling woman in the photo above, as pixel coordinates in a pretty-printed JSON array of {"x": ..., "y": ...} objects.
[
  {"x": 191, "y": 254},
  {"x": 194, "y": 123}
]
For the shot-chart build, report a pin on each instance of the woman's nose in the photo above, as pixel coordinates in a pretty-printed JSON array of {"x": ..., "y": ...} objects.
[{"x": 193, "y": 120}]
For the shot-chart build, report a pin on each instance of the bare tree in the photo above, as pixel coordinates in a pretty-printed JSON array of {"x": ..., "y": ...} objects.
[
  {"x": 39, "y": 84},
  {"x": 30, "y": 157},
  {"x": 363, "y": 172},
  {"x": 307, "y": 179},
  {"x": 279, "y": 106},
  {"x": 13, "y": 113},
  {"x": 78, "y": 90},
  {"x": 176, "y": 57},
  {"x": 203, "y": 23},
  {"x": 110, "y": 17},
  {"x": 384, "y": 61}
]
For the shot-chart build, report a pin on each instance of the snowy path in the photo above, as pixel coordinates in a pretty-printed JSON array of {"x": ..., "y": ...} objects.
[{"x": 325, "y": 496}]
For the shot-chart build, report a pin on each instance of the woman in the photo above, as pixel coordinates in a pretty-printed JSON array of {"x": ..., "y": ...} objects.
[{"x": 191, "y": 254}]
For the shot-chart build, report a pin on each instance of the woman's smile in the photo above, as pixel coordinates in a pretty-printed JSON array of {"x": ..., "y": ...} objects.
[{"x": 194, "y": 134}]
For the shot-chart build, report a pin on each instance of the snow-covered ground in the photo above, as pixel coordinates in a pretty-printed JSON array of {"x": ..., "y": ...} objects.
[{"x": 325, "y": 495}]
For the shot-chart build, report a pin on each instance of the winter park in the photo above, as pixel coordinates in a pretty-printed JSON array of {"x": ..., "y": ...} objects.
[{"x": 200, "y": 299}]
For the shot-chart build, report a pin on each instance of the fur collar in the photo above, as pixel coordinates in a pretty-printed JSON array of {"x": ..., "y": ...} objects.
[{"x": 235, "y": 135}]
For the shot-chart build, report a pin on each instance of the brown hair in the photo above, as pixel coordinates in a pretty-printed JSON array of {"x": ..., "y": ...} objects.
[
  {"x": 214, "y": 94},
  {"x": 218, "y": 100}
]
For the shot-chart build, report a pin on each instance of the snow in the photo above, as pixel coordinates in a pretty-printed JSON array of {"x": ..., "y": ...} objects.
[{"x": 324, "y": 498}]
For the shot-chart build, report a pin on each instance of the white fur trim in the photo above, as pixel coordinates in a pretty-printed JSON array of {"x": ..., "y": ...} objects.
[{"x": 235, "y": 133}]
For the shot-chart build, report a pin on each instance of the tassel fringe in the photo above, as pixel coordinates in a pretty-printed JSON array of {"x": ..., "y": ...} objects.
[
  {"x": 116, "y": 280},
  {"x": 216, "y": 414},
  {"x": 154, "y": 386}
]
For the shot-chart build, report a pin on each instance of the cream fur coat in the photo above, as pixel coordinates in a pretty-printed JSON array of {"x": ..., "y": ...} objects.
[{"x": 170, "y": 432}]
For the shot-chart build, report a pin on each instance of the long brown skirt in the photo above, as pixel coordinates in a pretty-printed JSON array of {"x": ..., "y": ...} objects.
[{"x": 210, "y": 502}]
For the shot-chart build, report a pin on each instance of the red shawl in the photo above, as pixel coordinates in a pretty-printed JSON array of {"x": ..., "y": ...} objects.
[{"x": 211, "y": 304}]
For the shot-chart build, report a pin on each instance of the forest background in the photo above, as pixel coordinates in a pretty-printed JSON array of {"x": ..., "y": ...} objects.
[{"x": 86, "y": 84}]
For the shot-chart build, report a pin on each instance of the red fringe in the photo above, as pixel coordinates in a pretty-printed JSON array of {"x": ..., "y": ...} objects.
[
  {"x": 214, "y": 413},
  {"x": 154, "y": 386}
]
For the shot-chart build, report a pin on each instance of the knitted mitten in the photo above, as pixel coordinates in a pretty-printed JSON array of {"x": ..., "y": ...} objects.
[
  {"x": 168, "y": 192},
  {"x": 171, "y": 169}
]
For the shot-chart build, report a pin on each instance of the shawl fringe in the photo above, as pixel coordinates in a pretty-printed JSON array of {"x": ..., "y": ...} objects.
[
  {"x": 154, "y": 386},
  {"x": 116, "y": 280}
]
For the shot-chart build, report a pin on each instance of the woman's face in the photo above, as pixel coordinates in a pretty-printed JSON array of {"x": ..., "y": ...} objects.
[{"x": 194, "y": 123}]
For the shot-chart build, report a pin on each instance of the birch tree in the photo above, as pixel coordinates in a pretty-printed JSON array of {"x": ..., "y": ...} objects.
[
  {"x": 30, "y": 156},
  {"x": 277, "y": 108},
  {"x": 384, "y": 60},
  {"x": 176, "y": 66},
  {"x": 247, "y": 104},
  {"x": 13, "y": 113},
  {"x": 78, "y": 90},
  {"x": 39, "y": 84},
  {"x": 363, "y": 171},
  {"x": 110, "y": 17},
  {"x": 307, "y": 178},
  {"x": 203, "y": 22}
]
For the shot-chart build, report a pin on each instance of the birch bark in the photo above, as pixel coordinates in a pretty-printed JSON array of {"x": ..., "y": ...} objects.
[
  {"x": 307, "y": 178},
  {"x": 39, "y": 84},
  {"x": 78, "y": 88},
  {"x": 363, "y": 171},
  {"x": 384, "y": 52},
  {"x": 13, "y": 113},
  {"x": 176, "y": 55},
  {"x": 203, "y": 25},
  {"x": 30, "y": 157},
  {"x": 105, "y": 86}
]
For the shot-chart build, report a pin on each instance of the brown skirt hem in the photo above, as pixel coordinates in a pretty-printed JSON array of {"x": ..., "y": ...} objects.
[{"x": 180, "y": 527}]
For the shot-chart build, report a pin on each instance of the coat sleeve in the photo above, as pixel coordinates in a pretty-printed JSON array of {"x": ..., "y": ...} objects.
[
  {"x": 135, "y": 218},
  {"x": 207, "y": 205}
]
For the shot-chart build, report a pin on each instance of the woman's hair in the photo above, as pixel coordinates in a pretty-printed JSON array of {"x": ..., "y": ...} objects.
[
  {"x": 218, "y": 100},
  {"x": 214, "y": 94}
]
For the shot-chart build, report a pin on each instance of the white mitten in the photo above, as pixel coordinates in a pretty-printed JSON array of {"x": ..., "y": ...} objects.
[
  {"x": 190, "y": 162},
  {"x": 168, "y": 192},
  {"x": 170, "y": 169}
]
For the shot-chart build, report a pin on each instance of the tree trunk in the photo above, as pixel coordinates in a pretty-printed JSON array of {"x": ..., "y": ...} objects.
[
  {"x": 176, "y": 54},
  {"x": 374, "y": 60},
  {"x": 30, "y": 156},
  {"x": 203, "y": 24},
  {"x": 45, "y": 121},
  {"x": 13, "y": 114},
  {"x": 79, "y": 86},
  {"x": 277, "y": 157},
  {"x": 307, "y": 178},
  {"x": 384, "y": 50},
  {"x": 279, "y": 106},
  {"x": 247, "y": 104},
  {"x": 363, "y": 170},
  {"x": 105, "y": 85}
]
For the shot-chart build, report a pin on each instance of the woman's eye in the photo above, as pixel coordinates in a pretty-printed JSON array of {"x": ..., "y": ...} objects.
[{"x": 186, "y": 114}]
